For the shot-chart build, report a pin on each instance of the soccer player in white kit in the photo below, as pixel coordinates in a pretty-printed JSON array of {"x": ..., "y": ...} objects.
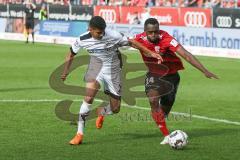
[{"x": 104, "y": 68}]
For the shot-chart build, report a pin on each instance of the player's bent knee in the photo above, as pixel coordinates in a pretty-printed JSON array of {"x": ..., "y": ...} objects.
[{"x": 88, "y": 99}]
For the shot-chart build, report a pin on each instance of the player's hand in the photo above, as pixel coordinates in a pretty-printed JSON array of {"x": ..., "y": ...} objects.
[
  {"x": 210, "y": 75},
  {"x": 64, "y": 76},
  {"x": 158, "y": 56}
]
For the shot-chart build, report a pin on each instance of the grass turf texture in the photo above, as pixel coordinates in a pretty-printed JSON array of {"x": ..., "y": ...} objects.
[{"x": 31, "y": 130}]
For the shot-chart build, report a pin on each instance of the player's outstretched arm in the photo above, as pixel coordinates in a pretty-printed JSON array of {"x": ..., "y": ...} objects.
[
  {"x": 137, "y": 45},
  {"x": 68, "y": 62},
  {"x": 195, "y": 62}
]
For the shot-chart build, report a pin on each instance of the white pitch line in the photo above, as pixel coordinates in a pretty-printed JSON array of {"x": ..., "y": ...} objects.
[
  {"x": 188, "y": 115},
  {"x": 125, "y": 105},
  {"x": 29, "y": 100}
]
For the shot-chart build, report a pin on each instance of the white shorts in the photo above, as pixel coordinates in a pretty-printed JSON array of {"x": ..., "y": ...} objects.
[
  {"x": 111, "y": 82},
  {"x": 109, "y": 77}
]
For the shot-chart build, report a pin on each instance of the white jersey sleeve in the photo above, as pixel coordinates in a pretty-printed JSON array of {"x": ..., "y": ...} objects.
[
  {"x": 76, "y": 46},
  {"x": 124, "y": 40},
  {"x": 120, "y": 37}
]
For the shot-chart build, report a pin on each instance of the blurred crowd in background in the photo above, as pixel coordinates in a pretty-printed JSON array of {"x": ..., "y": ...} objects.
[{"x": 145, "y": 3}]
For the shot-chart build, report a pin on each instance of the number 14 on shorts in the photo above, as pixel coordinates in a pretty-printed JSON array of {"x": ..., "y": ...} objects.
[{"x": 149, "y": 80}]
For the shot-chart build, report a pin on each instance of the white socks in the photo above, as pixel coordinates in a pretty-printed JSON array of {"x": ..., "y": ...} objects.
[{"x": 84, "y": 111}]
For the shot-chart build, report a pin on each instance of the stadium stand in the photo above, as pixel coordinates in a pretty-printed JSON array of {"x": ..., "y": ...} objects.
[{"x": 141, "y": 3}]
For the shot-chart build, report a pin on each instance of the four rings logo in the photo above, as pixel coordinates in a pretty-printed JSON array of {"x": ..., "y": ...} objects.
[
  {"x": 224, "y": 21},
  {"x": 109, "y": 15},
  {"x": 195, "y": 19}
]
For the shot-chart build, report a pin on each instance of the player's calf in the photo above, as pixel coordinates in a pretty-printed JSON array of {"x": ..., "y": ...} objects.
[
  {"x": 103, "y": 111},
  {"x": 115, "y": 110},
  {"x": 159, "y": 118}
]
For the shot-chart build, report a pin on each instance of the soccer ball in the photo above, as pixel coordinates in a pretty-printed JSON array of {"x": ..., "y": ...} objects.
[{"x": 178, "y": 139}]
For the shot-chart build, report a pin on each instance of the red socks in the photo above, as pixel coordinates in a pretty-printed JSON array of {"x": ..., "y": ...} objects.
[{"x": 160, "y": 121}]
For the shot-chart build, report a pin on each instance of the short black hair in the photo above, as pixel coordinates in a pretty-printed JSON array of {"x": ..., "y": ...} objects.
[
  {"x": 152, "y": 21},
  {"x": 97, "y": 22}
]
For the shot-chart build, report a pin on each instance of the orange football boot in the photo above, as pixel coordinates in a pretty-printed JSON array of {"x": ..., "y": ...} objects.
[
  {"x": 77, "y": 139},
  {"x": 99, "y": 121}
]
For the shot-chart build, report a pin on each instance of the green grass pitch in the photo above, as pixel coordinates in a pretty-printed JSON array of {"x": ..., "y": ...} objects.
[{"x": 31, "y": 130}]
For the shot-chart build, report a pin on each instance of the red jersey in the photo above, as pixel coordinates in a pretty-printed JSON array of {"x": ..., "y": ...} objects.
[{"x": 167, "y": 45}]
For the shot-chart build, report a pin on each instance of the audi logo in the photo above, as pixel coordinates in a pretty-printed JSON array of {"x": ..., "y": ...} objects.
[
  {"x": 224, "y": 21},
  {"x": 109, "y": 15},
  {"x": 195, "y": 19}
]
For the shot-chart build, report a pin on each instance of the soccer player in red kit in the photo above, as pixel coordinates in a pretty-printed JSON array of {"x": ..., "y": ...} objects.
[{"x": 162, "y": 79}]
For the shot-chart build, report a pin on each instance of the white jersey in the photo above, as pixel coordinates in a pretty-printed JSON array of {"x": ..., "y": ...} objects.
[
  {"x": 105, "y": 63},
  {"x": 105, "y": 49}
]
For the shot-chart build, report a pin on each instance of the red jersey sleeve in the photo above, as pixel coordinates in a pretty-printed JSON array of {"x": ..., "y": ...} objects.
[
  {"x": 170, "y": 42},
  {"x": 139, "y": 37}
]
